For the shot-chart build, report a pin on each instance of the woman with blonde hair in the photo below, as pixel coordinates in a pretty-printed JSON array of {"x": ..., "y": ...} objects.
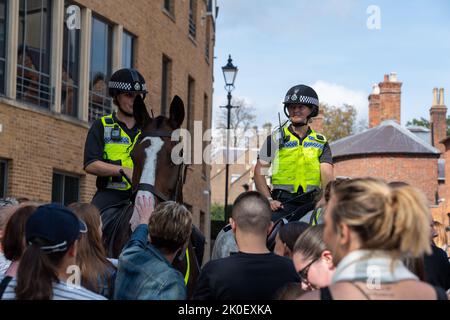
[
  {"x": 97, "y": 272},
  {"x": 369, "y": 226},
  {"x": 441, "y": 239}
]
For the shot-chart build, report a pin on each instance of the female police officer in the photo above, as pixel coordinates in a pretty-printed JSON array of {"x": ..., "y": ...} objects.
[{"x": 111, "y": 139}]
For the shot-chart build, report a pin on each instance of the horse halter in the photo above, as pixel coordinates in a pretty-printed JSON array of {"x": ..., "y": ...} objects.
[{"x": 181, "y": 169}]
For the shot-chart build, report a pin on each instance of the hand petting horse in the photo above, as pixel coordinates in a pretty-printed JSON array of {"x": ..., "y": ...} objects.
[{"x": 155, "y": 176}]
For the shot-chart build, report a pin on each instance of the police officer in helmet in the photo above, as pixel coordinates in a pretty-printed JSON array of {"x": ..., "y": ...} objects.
[
  {"x": 111, "y": 139},
  {"x": 300, "y": 158}
]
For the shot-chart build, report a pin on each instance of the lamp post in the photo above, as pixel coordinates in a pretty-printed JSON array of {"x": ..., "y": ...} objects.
[{"x": 229, "y": 73}]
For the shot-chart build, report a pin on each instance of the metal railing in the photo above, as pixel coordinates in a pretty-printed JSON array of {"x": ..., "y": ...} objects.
[
  {"x": 99, "y": 105},
  {"x": 33, "y": 87}
]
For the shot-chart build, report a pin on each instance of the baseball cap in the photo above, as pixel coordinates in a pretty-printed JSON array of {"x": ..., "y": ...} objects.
[{"x": 55, "y": 224}]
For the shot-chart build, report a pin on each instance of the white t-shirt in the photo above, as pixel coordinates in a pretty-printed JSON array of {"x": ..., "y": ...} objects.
[
  {"x": 4, "y": 264},
  {"x": 61, "y": 291}
]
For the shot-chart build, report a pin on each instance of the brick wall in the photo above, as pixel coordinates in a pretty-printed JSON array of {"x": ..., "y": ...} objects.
[
  {"x": 418, "y": 172},
  {"x": 374, "y": 110},
  {"x": 39, "y": 141},
  {"x": 390, "y": 100}
]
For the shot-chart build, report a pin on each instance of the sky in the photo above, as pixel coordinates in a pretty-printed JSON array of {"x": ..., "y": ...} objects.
[{"x": 339, "y": 47}]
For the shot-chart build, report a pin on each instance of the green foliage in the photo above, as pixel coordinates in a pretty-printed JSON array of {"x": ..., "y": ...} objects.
[
  {"x": 217, "y": 212},
  {"x": 338, "y": 122}
]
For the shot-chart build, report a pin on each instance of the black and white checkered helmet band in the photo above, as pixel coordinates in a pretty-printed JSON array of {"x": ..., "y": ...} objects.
[
  {"x": 301, "y": 100},
  {"x": 125, "y": 86}
]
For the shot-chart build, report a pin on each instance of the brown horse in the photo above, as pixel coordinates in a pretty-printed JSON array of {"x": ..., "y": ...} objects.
[{"x": 154, "y": 175}]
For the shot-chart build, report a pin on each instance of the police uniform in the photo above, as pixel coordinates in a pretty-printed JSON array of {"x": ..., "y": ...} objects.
[
  {"x": 109, "y": 140},
  {"x": 295, "y": 163}
]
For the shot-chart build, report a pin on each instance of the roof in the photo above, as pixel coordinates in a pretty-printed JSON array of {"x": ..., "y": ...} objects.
[{"x": 388, "y": 138}]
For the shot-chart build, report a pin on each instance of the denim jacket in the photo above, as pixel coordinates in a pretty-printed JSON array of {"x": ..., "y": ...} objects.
[{"x": 145, "y": 274}]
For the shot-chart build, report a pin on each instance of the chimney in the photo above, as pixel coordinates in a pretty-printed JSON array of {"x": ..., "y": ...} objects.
[
  {"x": 438, "y": 120},
  {"x": 435, "y": 97},
  {"x": 374, "y": 107},
  {"x": 390, "y": 98}
]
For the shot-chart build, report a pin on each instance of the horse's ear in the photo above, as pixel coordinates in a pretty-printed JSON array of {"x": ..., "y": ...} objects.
[
  {"x": 176, "y": 112},
  {"x": 140, "y": 112}
]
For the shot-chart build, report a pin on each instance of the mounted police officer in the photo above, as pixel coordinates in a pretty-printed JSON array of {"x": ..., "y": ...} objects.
[
  {"x": 300, "y": 158},
  {"x": 112, "y": 138}
]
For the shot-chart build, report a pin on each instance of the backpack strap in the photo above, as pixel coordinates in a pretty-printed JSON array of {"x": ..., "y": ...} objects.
[{"x": 4, "y": 284}]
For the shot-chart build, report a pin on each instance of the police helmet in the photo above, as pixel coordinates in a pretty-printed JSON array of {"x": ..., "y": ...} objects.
[
  {"x": 305, "y": 95},
  {"x": 126, "y": 81}
]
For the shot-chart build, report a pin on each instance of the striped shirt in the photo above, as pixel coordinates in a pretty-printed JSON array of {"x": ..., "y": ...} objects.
[{"x": 61, "y": 291}]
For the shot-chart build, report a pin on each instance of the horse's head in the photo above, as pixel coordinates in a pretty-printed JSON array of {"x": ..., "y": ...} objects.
[{"x": 154, "y": 171}]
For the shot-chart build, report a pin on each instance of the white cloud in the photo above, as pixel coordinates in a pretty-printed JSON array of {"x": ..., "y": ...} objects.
[{"x": 337, "y": 95}]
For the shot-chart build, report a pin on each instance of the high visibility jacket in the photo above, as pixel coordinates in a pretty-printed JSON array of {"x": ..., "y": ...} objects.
[
  {"x": 117, "y": 151},
  {"x": 296, "y": 164}
]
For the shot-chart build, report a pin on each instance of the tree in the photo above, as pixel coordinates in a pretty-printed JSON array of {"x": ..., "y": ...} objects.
[
  {"x": 422, "y": 122},
  {"x": 338, "y": 122},
  {"x": 241, "y": 118}
]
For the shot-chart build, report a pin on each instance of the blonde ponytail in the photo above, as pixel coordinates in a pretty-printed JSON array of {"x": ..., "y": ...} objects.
[{"x": 395, "y": 220}]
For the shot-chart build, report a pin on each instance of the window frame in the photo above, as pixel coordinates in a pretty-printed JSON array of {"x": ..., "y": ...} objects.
[
  {"x": 65, "y": 175},
  {"x": 42, "y": 102},
  {"x": 4, "y": 54},
  {"x": 133, "y": 48},
  {"x": 104, "y": 107},
  {"x": 4, "y": 181}
]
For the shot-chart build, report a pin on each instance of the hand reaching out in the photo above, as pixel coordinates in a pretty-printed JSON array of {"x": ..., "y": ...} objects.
[{"x": 144, "y": 207}]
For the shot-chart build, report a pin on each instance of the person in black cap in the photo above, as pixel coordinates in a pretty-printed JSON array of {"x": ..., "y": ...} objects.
[
  {"x": 111, "y": 140},
  {"x": 47, "y": 268},
  {"x": 301, "y": 158}
]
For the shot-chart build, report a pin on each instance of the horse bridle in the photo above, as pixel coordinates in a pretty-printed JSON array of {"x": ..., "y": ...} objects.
[{"x": 181, "y": 169}]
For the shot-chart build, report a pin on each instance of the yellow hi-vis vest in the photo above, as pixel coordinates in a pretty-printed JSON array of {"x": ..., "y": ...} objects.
[
  {"x": 297, "y": 163},
  {"x": 117, "y": 151}
]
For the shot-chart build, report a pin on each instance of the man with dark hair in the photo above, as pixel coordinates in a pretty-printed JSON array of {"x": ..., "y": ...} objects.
[{"x": 254, "y": 273}]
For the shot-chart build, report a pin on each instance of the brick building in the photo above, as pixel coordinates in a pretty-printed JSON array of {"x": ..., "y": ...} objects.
[
  {"x": 56, "y": 57},
  {"x": 394, "y": 153}
]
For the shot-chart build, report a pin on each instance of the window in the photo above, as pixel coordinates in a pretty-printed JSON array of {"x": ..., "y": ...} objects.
[
  {"x": 65, "y": 189},
  {"x": 202, "y": 223},
  {"x": 169, "y": 6},
  {"x": 3, "y": 178},
  {"x": 101, "y": 49},
  {"x": 190, "y": 114},
  {"x": 165, "y": 86},
  {"x": 127, "y": 50},
  {"x": 207, "y": 40},
  {"x": 190, "y": 104},
  {"x": 33, "y": 63},
  {"x": 205, "y": 127},
  {"x": 3, "y": 24},
  {"x": 192, "y": 18},
  {"x": 70, "y": 69}
]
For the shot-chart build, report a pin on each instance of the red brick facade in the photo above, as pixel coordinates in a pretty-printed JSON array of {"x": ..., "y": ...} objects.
[
  {"x": 37, "y": 142},
  {"x": 420, "y": 172}
]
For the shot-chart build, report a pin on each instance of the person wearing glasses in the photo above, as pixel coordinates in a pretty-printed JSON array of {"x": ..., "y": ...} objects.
[
  {"x": 312, "y": 259},
  {"x": 111, "y": 139},
  {"x": 369, "y": 227}
]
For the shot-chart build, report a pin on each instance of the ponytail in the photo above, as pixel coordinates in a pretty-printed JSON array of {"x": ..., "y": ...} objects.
[
  {"x": 36, "y": 274},
  {"x": 385, "y": 218}
]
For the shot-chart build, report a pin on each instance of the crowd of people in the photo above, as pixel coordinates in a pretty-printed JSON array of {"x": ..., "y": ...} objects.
[{"x": 377, "y": 242}]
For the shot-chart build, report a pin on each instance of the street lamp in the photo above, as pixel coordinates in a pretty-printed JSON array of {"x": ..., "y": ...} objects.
[{"x": 229, "y": 74}]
